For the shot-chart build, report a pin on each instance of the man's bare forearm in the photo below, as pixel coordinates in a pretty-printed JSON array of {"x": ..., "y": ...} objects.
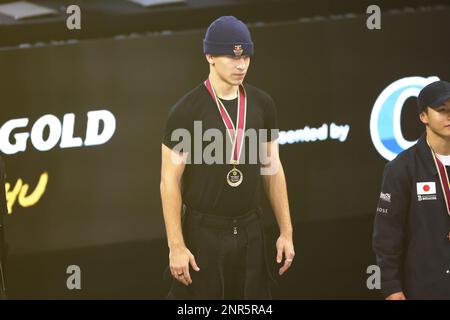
[
  {"x": 171, "y": 202},
  {"x": 276, "y": 190}
]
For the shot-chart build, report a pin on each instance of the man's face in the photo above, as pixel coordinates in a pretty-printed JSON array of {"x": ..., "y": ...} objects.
[
  {"x": 231, "y": 69},
  {"x": 438, "y": 119}
]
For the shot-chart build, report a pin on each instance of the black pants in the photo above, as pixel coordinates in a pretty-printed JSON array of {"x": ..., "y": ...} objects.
[{"x": 230, "y": 253}]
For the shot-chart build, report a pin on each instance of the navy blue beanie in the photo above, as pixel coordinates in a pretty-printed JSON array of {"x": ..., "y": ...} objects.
[{"x": 228, "y": 36}]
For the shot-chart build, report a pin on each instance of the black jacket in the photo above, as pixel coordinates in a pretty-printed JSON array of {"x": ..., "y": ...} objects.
[
  {"x": 2, "y": 233},
  {"x": 411, "y": 228}
]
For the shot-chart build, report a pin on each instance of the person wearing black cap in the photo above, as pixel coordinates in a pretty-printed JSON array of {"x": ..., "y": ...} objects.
[
  {"x": 212, "y": 210},
  {"x": 411, "y": 237}
]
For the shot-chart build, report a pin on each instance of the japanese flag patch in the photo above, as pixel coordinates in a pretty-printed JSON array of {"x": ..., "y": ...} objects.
[
  {"x": 426, "y": 191},
  {"x": 426, "y": 188}
]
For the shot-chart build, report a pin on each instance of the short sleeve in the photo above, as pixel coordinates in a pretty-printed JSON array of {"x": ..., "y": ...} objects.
[{"x": 177, "y": 127}]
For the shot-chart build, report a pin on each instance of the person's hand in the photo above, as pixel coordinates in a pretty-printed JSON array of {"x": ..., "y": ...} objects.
[
  {"x": 180, "y": 258},
  {"x": 396, "y": 296},
  {"x": 285, "y": 247}
]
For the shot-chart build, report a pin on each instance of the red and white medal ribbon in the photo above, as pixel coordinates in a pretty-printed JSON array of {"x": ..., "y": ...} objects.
[
  {"x": 443, "y": 178},
  {"x": 236, "y": 136}
]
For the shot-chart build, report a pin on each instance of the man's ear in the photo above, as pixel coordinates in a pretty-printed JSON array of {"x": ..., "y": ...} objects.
[
  {"x": 424, "y": 117},
  {"x": 209, "y": 58}
]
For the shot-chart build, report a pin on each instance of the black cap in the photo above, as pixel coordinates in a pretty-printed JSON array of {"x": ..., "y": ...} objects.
[{"x": 433, "y": 95}]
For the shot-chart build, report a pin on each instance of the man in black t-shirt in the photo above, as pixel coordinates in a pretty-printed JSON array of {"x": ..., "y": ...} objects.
[{"x": 220, "y": 139}]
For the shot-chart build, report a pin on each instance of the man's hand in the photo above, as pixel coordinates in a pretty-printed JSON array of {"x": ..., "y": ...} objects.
[
  {"x": 180, "y": 258},
  {"x": 396, "y": 296},
  {"x": 285, "y": 246}
]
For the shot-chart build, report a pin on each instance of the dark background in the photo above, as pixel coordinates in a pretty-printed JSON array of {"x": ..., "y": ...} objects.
[{"x": 102, "y": 209}]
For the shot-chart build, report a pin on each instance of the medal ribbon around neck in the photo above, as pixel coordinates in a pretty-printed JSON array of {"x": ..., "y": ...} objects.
[
  {"x": 236, "y": 136},
  {"x": 443, "y": 178}
]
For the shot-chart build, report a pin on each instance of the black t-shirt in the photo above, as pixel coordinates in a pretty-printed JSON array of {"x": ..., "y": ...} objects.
[{"x": 204, "y": 186}]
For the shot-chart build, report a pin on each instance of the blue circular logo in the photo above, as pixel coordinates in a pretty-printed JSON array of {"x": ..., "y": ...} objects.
[{"x": 385, "y": 119}]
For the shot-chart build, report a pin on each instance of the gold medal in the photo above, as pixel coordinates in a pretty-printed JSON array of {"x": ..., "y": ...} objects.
[{"x": 235, "y": 177}]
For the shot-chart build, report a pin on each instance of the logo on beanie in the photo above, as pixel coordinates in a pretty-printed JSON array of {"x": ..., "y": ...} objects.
[{"x": 238, "y": 50}]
